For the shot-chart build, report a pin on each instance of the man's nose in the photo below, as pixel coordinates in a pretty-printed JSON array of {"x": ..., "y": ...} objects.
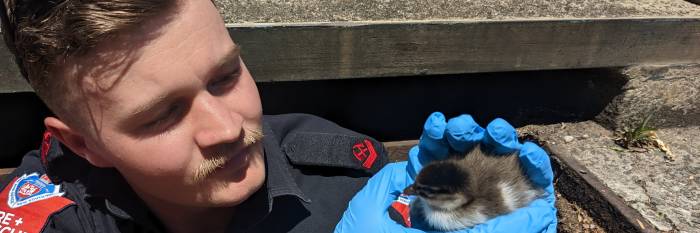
[{"x": 215, "y": 123}]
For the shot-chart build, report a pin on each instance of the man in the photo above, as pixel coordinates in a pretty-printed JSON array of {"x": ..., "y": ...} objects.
[
  {"x": 155, "y": 97},
  {"x": 161, "y": 130}
]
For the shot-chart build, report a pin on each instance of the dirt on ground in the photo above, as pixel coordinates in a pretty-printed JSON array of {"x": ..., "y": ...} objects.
[{"x": 574, "y": 219}]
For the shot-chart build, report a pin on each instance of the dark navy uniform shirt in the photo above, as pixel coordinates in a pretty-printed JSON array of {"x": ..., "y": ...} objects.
[{"x": 314, "y": 167}]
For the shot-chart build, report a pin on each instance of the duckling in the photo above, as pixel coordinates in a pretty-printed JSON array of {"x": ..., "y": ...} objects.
[{"x": 468, "y": 189}]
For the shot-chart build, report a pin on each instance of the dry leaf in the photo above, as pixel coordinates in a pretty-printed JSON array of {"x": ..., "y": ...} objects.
[{"x": 662, "y": 146}]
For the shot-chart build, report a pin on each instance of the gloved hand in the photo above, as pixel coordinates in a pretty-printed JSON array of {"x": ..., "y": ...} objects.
[{"x": 368, "y": 211}]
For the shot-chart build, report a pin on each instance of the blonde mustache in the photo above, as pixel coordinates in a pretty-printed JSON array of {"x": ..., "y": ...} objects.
[{"x": 221, "y": 156}]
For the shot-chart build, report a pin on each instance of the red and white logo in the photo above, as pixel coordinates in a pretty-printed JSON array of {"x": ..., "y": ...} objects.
[
  {"x": 27, "y": 190},
  {"x": 365, "y": 153}
]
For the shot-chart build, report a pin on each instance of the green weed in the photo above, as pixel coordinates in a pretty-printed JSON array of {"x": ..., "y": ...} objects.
[{"x": 641, "y": 136}]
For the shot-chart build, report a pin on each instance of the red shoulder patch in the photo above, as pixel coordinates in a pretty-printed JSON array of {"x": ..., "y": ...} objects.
[
  {"x": 365, "y": 153},
  {"x": 28, "y": 202}
]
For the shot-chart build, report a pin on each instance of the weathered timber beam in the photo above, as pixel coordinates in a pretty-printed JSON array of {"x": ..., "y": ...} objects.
[
  {"x": 340, "y": 50},
  {"x": 293, "y": 52}
]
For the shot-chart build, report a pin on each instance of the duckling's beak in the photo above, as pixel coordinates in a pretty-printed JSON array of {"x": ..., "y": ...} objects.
[{"x": 409, "y": 190}]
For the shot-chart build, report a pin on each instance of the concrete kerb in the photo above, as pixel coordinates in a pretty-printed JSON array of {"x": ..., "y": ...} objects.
[{"x": 577, "y": 184}]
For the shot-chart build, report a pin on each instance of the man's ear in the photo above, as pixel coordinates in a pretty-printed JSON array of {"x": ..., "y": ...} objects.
[{"x": 74, "y": 141}]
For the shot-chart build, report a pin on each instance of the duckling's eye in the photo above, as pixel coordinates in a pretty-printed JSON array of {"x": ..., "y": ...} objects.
[
  {"x": 441, "y": 191},
  {"x": 434, "y": 189}
]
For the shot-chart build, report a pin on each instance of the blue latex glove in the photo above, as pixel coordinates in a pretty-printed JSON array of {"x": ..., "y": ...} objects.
[{"x": 368, "y": 210}]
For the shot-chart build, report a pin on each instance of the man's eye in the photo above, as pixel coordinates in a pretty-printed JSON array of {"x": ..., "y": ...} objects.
[
  {"x": 218, "y": 85},
  {"x": 164, "y": 120}
]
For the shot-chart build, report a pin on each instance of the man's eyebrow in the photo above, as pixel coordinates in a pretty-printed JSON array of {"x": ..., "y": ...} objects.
[
  {"x": 230, "y": 56},
  {"x": 142, "y": 109}
]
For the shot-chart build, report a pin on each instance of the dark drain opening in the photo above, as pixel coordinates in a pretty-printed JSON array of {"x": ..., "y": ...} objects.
[{"x": 392, "y": 109}]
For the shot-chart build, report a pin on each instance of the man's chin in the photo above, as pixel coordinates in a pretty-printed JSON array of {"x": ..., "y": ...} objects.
[
  {"x": 232, "y": 195},
  {"x": 234, "y": 190}
]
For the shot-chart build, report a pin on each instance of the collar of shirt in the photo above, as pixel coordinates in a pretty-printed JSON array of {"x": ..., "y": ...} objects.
[
  {"x": 279, "y": 182},
  {"x": 122, "y": 202}
]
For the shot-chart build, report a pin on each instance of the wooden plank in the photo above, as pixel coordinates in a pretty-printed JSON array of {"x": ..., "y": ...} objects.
[
  {"x": 4, "y": 173},
  {"x": 398, "y": 150},
  {"x": 340, "y": 50},
  {"x": 293, "y": 52}
]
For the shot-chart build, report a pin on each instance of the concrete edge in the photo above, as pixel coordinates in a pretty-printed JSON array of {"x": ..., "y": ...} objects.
[
  {"x": 599, "y": 200},
  {"x": 446, "y": 21}
]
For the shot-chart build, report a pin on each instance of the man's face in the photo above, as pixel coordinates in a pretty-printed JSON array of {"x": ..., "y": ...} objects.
[{"x": 173, "y": 108}]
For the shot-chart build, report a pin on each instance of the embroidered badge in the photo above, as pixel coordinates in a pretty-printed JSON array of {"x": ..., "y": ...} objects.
[
  {"x": 364, "y": 151},
  {"x": 26, "y": 206},
  {"x": 31, "y": 188}
]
